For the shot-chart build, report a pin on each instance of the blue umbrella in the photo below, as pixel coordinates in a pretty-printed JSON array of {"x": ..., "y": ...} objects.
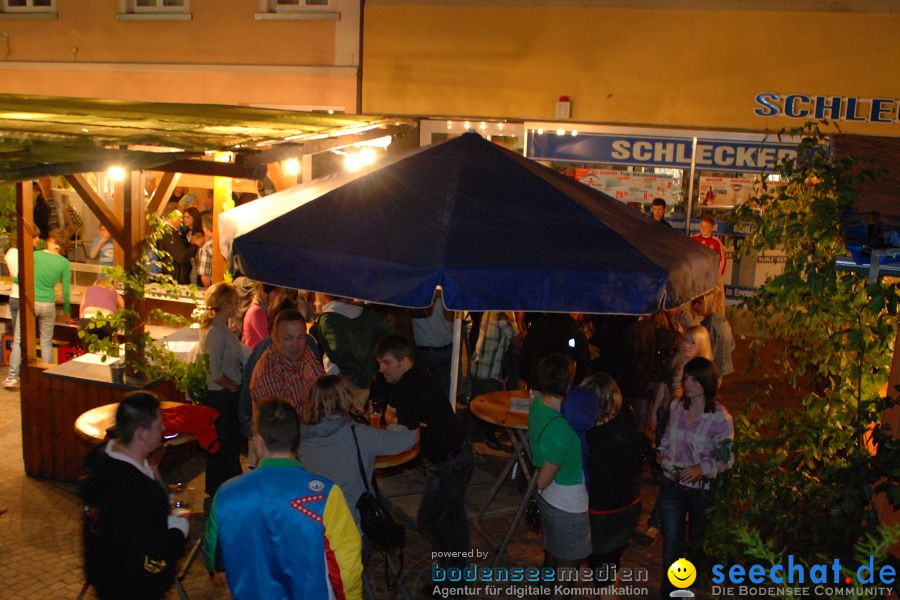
[{"x": 495, "y": 230}]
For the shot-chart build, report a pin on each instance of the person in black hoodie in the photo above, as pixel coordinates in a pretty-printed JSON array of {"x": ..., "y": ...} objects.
[{"x": 131, "y": 538}]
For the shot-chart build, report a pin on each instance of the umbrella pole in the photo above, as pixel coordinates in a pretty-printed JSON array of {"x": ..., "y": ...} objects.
[{"x": 454, "y": 360}]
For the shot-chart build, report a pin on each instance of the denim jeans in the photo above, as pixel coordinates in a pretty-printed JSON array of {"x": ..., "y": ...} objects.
[
  {"x": 442, "y": 513},
  {"x": 15, "y": 356},
  {"x": 676, "y": 501},
  {"x": 46, "y": 316}
]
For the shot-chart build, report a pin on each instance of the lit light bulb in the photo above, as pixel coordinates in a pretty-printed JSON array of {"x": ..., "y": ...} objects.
[
  {"x": 500, "y": 126},
  {"x": 367, "y": 156},
  {"x": 540, "y": 131},
  {"x": 292, "y": 167},
  {"x": 560, "y": 132},
  {"x": 467, "y": 125},
  {"x": 449, "y": 124},
  {"x": 574, "y": 132},
  {"x": 352, "y": 162},
  {"x": 116, "y": 173},
  {"x": 483, "y": 126}
]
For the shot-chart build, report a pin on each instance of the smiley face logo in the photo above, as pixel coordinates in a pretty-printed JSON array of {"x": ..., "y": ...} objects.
[{"x": 682, "y": 573}]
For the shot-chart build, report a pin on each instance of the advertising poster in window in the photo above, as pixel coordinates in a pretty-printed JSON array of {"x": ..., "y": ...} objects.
[
  {"x": 628, "y": 186},
  {"x": 724, "y": 192}
]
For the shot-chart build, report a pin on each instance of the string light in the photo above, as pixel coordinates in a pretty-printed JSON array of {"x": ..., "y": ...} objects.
[
  {"x": 292, "y": 167},
  {"x": 116, "y": 173}
]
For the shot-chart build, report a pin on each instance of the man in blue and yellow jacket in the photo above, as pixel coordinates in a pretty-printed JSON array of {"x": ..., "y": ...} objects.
[{"x": 279, "y": 531}]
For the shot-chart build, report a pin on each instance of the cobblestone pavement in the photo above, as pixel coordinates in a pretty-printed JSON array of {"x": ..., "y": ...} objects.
[{"x": 40, "y": 533}]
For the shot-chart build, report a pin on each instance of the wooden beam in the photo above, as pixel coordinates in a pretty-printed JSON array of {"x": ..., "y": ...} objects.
[
  {"x": 214, "y": 168},
  {"x": 277, "y": 177},
  {"x": 286, "y": 150},
  {"x": 25, "y": 243},
  {"x": 162, "y": 193},
  {"x": 97, "y": 206}
]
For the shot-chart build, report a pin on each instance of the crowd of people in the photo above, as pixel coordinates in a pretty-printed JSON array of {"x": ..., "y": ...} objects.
[
  {"x": 298, "y": 403},
  {"x": 294, "y": 378}
]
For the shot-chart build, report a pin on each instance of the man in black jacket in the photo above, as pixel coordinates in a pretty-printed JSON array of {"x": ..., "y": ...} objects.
[
  {"x": 179, "y": 250},
  {"x": 422, "y": 406},
  {"x": 131, "y": 538}
]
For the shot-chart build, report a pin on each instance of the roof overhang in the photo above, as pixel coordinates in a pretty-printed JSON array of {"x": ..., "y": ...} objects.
[{"x": 45, "y": 135}]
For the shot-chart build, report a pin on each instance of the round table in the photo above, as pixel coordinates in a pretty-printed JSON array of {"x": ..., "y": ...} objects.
[
  {"x": 393, "y": 460},
  {"x": 496, "y": 408},
  {"x": 93, "y": 425}
]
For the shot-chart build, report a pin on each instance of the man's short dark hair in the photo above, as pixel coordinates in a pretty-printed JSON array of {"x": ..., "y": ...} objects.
[
  {"x": 555, "y": 374},
  {"x": 287, "y": 315},
  {"x": 206, "y": 220},
  {"x": 137, "y": 410},
  {"x": 708, "y": 219},
  {"x": 397, "y": 346},
  {"x": 277, "y": 424},
  {"x": 658, "y": 202}
]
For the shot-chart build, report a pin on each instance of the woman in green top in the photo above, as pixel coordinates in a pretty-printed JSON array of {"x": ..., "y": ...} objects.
[
  {"x": 556, "y": 452},
  {"x": 50, "y": 267}
]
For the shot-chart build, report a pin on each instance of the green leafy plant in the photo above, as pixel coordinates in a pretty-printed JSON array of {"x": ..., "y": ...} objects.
[
  {"x": 8, "y": 221},
  {"x": 804, "y": 480},
  {"x": 143, "y": 357}
]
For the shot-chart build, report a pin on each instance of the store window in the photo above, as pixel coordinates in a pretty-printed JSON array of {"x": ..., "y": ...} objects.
[{"x": 32, "y": 6}]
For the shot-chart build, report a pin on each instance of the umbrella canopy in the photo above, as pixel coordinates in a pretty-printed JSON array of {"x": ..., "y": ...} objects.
[{"x": 495, "y": 230}]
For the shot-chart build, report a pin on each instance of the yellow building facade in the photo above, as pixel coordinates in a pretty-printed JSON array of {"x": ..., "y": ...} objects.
[
  {"x": 301, "y": 54},
  {"x": 694, "y": 63}
]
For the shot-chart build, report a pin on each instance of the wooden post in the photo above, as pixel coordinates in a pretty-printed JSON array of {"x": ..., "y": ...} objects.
[
  {"x": 24, "y": 240},
  {"x": 134, "y": 228}
]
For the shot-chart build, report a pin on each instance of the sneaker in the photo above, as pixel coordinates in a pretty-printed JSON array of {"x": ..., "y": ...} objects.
[
  {"x": 648, "y": 536},
  {"x": 11, "y": 382}
]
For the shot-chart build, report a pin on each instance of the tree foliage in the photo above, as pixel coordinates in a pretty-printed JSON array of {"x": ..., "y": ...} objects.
[{"x": 804, "y": 480}]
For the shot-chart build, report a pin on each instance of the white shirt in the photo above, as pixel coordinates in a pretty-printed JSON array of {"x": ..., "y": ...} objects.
[{"x": 12, "y": 263}]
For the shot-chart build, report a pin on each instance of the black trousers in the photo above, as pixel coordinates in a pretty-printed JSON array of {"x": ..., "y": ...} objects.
[{"x": 226, "y": 463}]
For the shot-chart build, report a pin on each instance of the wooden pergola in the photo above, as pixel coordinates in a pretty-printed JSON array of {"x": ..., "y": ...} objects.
[{"x": 50, "y": 136}]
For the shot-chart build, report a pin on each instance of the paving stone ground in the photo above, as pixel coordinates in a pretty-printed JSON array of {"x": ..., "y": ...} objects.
[{"x": 40, "y": 534}]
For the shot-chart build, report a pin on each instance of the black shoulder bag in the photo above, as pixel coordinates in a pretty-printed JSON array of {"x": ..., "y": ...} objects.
[{"x": 377, "y": 523}]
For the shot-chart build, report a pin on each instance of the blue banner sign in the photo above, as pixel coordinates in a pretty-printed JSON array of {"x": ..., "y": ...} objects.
[
  {"x": 834, "y": 108},
  {"x": 650, "y": 151}
]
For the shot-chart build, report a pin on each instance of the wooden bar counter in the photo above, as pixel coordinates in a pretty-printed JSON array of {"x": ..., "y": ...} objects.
[{"x": 52, "y": 397}]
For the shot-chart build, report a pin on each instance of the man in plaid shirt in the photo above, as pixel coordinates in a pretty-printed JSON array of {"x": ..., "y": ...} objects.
[
  {"x": 204, "y": 256},
  {"x": 288, "y": 368}
]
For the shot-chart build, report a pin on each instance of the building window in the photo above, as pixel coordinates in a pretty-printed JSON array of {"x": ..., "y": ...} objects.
[
  {"x": 140, "y": 6},
  {"x": 310, "y": 10},
  {"x": 297, "y": 5},
  {"x": 154, "y": 10},
  {"x": 31, "y": 6}
]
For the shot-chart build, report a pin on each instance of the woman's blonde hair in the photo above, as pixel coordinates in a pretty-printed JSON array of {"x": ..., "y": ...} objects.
[
  {"x": 609, "y": 396},
  {"x": 216, "y": 297},
  {"x": 700, "y": 337},
  {"x": 331, "y": 396}
]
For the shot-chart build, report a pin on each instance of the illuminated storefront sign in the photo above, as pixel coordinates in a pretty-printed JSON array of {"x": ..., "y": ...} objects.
[
  {"x": 833, "y": 108},
  {"x": 673, "y": 152}
]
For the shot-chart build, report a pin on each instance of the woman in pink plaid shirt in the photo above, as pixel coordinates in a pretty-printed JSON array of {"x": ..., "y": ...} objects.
[{"x": 695, "y": 449}]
